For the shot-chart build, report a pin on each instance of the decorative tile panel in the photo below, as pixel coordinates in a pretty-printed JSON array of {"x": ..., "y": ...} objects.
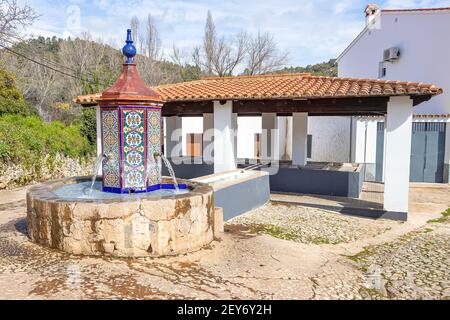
[
  {"x": 134, "y": 145},
  {"x": 111, "y": 148},
  {"x": 154, "y": 146}
]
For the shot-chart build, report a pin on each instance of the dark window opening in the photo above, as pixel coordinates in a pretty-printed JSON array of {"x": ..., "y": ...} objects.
[{"x": 309, "y": 147}]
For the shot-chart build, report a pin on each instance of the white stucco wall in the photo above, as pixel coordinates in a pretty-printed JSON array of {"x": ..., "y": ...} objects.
[
  {"x": 247, "y": 128},
  {"x": 191, "y": 125},
  {"x": 366, "y": 142},
  {"x": 425, "y": 50},
  {"x": 330, "y": 138}
]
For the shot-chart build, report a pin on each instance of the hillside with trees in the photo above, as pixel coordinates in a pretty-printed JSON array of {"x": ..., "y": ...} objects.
[
  {"x": 40, "y": 77},
  {"x": 328, "y": 69}
]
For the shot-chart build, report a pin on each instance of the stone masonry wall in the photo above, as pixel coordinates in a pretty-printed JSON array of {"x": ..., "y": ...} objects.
[{"x": 12, "y": 175}]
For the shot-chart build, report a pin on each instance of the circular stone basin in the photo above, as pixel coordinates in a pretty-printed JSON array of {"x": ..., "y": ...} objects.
[{"x": 65, "y": 215}]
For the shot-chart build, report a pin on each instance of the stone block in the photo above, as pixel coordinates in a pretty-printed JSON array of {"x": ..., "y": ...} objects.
[{"x": 218, "y": 223}]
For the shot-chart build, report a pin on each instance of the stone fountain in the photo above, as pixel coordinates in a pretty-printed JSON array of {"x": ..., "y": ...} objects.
[{"x": 131, "y": 211}]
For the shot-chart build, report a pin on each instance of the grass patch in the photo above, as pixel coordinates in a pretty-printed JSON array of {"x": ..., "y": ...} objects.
[
  {"x": 274, "y": 231},
  {"x": 361, "y": 257},
  {"x": 445, "y": 217},
  {"x": 371, "y": 294}
]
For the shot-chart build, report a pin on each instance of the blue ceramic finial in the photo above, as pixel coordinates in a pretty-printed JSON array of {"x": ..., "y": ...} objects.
[{"x": 129, "y": 50}]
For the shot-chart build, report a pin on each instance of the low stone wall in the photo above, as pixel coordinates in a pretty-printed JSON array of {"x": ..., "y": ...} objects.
[
  {"x": 144, "y": 227},
  {"x": 16, "y": 175}
]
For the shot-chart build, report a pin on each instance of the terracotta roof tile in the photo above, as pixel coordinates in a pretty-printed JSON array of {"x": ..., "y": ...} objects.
[{"x": 284, "y": 86}]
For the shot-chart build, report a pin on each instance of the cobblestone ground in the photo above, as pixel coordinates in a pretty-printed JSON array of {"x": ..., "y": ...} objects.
[
  {"x": 276, "y": 252},
  {"x": 309, "y": 225},
  {"x": 237, "y": 267},
  {"x": 416, "y": 266}
]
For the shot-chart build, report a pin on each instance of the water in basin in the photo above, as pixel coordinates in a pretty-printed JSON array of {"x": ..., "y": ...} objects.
[{"x": 82, "y": 190}]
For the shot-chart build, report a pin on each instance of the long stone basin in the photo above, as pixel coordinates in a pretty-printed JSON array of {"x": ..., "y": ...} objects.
[{"x": 125, "y": 227}]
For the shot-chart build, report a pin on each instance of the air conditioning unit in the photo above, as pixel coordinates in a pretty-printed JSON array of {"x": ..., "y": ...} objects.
[{"x": 391, "y": 54}]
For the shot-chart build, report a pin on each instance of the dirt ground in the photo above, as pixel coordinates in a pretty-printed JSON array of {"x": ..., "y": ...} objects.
[{"x": 325, "y": 255}]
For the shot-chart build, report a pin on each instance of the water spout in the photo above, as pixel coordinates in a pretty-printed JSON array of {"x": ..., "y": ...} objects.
[
  {"x": 96, "y": 169},
  {"x": 170, "y": 169}
]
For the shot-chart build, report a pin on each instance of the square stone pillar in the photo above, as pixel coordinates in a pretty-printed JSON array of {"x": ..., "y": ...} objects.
[
  {"x": 225, "y": 123},
  {"x": 397, "y": 156},
  {"x": 174, "y": 137},
  {"x": 208, "y": 138},
  {"x": 270, "y": 141},
  {"x": 299, "y": 139},
  {"x": 447, "y": 154}
]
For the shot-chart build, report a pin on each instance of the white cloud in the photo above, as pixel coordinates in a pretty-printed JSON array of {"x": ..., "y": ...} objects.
[{"x": 311, "y": 30}]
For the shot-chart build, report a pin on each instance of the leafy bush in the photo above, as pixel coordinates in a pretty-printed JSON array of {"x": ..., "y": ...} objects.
[
  {"x": 11, "y": 99},
  {"x": 89, "y": 124},
  {"x": 26, "y": 140}
]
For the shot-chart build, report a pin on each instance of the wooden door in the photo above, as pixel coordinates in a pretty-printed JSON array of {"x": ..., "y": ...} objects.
[{"x": 194, "y": 144}]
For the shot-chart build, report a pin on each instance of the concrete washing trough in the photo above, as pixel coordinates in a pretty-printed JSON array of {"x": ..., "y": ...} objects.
[{"x": 137, "y": 225}]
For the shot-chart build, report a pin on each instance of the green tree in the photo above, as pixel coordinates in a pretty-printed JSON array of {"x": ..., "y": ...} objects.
[
  {"x": 88, "y": 126},
  {"x": 328, "y": 69},
  {"x": 11, "y": 99}
]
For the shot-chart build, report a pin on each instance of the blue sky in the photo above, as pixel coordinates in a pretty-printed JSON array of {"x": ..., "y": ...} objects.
[{"x": 311, "y": 30}]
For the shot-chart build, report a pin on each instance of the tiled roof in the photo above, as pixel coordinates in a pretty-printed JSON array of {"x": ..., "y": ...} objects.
[
  {"x": 416, "y": 10},
  {"x": 283, "y": 86}
]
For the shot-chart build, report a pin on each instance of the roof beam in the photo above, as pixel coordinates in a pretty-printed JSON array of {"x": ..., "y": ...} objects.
[
  {"x": 314, "y": 107},
  {"x": 187, "y": 108},
  {"x": 338, "y": 106}
]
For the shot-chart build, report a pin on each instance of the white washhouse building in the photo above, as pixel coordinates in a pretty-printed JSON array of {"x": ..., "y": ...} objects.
[{"x": 400, "y": 45}]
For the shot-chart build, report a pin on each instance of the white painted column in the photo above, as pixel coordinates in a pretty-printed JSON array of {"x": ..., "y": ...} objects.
[
  {"x": 299, "y": 139},
  {"x": 447, "y": 154},
  {"x": 270, "y": 141},
  {"x": 384, "y": 148},
  {"x": 98, "y": 116},
  {"x": 398, "y": 154},
  {"x": 353, "y": 138},
  {"x": 289, "y": 138},
  {"x": 99, "y": 130},
  {"x": 225, "y": 123},
  {"x": 366, "y": 145},
  {"x": 208, "y": 137},
  {"x": 285, "y": 137},
  {"x": 173, "y": 145}
]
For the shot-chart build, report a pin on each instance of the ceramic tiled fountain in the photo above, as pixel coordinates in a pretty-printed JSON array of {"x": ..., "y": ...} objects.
[{"x": 131, "y": 211}]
